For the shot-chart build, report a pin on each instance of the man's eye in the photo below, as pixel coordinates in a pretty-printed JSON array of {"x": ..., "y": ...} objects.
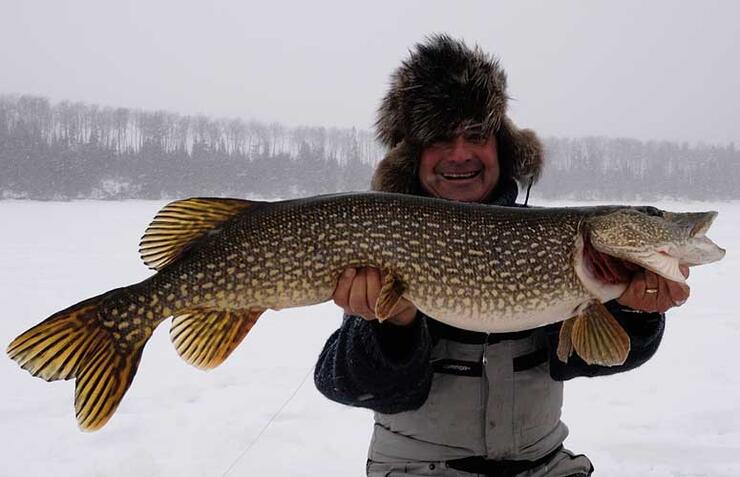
[
  {"x": 439, "y": 145},
  {"x": 477, "y": 139}
]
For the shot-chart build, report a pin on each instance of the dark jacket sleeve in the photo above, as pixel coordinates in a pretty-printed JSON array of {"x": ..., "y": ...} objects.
[
  {"x": 645, "y": 331},
  {"x": 378, "y": 366}
]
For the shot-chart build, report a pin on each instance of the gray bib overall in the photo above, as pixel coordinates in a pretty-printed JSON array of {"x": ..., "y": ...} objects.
[{"x": 494, "y": 399}]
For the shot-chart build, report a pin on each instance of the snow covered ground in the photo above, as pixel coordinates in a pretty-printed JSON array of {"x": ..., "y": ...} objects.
[{"x": 678, "y": 415}]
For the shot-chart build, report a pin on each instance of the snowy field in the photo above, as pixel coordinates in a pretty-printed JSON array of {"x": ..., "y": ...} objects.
[{"x": 678, "y": 415}]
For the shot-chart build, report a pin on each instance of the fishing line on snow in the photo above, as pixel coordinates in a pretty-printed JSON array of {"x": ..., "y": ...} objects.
[{"x": 264, "y": 428}]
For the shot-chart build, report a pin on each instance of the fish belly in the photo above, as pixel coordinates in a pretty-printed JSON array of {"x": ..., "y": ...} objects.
[{"x": 508, "y": 322}]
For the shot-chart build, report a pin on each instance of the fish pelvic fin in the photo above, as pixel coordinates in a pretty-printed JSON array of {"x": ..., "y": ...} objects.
[
  {"x": 206, "y": 337},
  {"x": 598, "y": 338},
  {"x": 565, "y": 340},
  {"x": 390, "y": 293},
  {"x": 182, "y": 223},
  {"x": 73, "y": 344}
]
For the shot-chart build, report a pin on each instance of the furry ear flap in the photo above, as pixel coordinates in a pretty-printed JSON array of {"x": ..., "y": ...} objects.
[
  {"x": 388, "y": 126},
  {"x": 523, "y": 151},
  {"x": 398, "y": 171}
]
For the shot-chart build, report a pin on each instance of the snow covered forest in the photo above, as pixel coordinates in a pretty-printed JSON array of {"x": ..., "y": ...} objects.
[{"x": 70, "y": 150}]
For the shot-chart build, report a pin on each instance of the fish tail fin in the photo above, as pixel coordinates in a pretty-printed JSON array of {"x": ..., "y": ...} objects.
[{"x": 73, "y": 344}]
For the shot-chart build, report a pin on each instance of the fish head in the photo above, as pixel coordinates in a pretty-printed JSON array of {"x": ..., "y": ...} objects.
[{"x": 654, "y": 239}]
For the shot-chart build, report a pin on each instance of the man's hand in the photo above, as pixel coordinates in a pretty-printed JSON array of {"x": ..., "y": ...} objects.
[
  {"x": 357, "y": 292},
  {"x": 650, "y": 292}
]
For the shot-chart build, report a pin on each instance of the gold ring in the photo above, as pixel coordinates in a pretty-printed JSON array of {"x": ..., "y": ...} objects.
[{"x": 651, "y": 290}]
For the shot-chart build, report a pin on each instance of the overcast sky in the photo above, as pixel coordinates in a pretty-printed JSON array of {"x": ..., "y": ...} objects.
[{"x": 643, "y": 69}]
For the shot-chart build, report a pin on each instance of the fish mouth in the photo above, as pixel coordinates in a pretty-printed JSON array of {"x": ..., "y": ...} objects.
[{"x": 460, "y": 176}]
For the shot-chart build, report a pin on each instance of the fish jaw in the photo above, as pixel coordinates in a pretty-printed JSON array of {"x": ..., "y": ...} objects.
[
  {"x": 660, "y": 242},
  {"x": 697, "y": 223},
  {"x": 699, "y": 249}
]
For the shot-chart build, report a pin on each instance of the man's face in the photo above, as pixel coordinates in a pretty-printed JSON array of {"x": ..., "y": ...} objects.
[{"x": 460, "y": 169}]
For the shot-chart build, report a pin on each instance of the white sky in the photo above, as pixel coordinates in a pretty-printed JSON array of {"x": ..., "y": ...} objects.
[{"x": 649, "y": 70}]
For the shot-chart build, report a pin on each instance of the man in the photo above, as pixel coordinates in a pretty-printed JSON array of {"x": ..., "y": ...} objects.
[{"x": 450, "y": 402}]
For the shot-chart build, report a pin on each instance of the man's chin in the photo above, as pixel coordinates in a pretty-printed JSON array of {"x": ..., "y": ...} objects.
[{"x": 466, "y": 195}]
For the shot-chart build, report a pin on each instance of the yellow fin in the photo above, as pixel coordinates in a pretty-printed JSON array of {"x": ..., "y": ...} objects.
[
  {"x": 181, "y": 223},
  {"x": 102, "y": 382},
  {"x": 53, "y": 349},
  {"x": 72, "y": 344},
  {"x": 206, "y": 337},
  {"x": 565, "y": 340},
  {"x": 598, "y": 337},
  {"x": 391, "y": 291}
]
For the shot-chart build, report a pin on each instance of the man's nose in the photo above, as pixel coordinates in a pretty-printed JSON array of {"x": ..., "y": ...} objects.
[{"x": 459, "y": 150}]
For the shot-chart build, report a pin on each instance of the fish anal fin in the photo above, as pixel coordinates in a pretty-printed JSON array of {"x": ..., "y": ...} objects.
[
  {"x": 181, "y": 223},
  {"x": 598, "y": 338},
  {"x": 206, "y": 337},
  {"x": 565, "y": 340},
  {"x": 390, "y": 293}
]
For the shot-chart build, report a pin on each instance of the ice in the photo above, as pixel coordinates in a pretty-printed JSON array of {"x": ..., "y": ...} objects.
[{"x": 678, "y": 415}]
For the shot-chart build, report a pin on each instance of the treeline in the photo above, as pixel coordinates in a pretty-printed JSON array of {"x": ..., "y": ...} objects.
[
  {"x": 74, "y": 150},
  {"x": 628, "y": 169}
]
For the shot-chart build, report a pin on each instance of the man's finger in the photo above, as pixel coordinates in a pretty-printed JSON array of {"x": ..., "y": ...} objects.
[
  {"x": 679, "y": 292},
  {"x": 358, "y": 296},
  {"x": 652, "y": 285},
  {"x": 372, "y": 285},
  {"x": 341, "y": 292},
  {"x": 664, "y": 301}
]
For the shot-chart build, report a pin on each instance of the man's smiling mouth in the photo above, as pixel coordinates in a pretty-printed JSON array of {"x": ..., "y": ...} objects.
[{"x": 457, "y": 176}]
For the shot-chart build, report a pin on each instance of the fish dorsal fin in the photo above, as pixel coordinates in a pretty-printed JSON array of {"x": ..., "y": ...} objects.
[
  {"x": 598, "y": 337},
  {"x": 181, "y": 223},
  {"x": 206, "y": 337}
]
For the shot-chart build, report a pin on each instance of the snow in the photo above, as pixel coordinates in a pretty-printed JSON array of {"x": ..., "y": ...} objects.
[{"x": 678, "y": 415}]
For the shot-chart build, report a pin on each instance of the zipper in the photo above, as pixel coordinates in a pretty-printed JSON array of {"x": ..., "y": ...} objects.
[{"x": 484, "y": 393}]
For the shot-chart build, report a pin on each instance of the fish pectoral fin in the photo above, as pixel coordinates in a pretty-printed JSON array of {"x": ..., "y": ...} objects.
[
  {"x": 390, "y": 293},
  {"x": 205, "y": 337},
  {"x": 565, "y": 340},
  {"x": 598, "y": 337},
  {"x": 181, "y": 223}
]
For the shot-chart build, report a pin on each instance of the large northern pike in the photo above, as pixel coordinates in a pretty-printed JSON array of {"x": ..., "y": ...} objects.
[{"x": 222, "y": 262}]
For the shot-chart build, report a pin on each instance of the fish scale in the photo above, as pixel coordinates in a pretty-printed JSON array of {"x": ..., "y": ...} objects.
[{"x": 220, "y": 263}]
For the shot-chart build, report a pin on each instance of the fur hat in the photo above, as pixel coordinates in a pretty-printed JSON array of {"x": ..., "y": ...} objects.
[{"x": 444, "y": 89}]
